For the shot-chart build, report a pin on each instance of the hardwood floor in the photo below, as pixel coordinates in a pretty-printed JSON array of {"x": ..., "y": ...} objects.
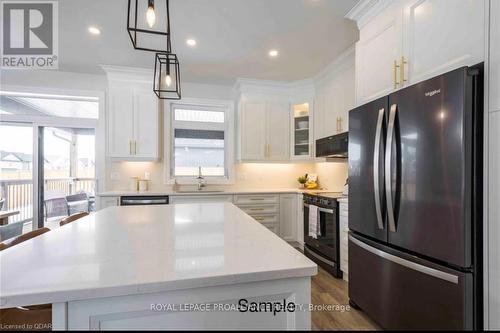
[{"x": 325, "y": 289}]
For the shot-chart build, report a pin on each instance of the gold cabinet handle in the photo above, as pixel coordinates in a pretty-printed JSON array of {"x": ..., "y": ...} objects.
[
  {"x": 256, "y": 209},
  {"x": 135, "y": 147},
  {"x": 130, "y": 147},
  {"x": 402, "y": 79},
  {"x": 396, "y": 66}
]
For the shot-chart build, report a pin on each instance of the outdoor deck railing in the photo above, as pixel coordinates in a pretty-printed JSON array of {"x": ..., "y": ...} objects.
[{"x": 18, "y": 193}]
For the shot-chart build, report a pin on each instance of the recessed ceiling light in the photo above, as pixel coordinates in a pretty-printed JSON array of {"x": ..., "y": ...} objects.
[
  {"x": 273, "y": 53},
  {"x": 191, "y": 42},
  {"x": 94, "y": 30}
]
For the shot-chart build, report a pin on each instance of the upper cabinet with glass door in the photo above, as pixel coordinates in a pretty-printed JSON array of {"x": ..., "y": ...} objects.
[{"x": 302, "y": 131}]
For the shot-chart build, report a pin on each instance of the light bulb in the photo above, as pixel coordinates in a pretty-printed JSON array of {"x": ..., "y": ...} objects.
[
  {"x": 150, "y": 15},
  {"x": 168, "y": 80}
]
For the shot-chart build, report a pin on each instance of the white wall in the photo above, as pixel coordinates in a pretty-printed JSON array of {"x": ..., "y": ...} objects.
[
  {"x": 248, "y": 175},
  {"x": 492, "y": 228},
  {"x": 52, "y": 79}
]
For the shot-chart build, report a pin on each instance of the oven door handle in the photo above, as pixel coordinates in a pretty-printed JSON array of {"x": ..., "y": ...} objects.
[{"x": 324, "y": 210}]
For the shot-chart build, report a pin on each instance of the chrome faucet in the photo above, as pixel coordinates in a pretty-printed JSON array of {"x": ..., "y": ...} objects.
[{"x": 201, "y": 180}]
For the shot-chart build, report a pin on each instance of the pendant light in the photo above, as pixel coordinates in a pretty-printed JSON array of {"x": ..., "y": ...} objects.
[
  {"x": 167, "y": 76},
  {"x": 148, "y": 25}
]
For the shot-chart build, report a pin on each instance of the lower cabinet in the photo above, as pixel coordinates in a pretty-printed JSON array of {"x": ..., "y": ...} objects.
[
  {"x": 264, "y": 208},
  {"x": 344, "y": 237},
  {"x": 277, "y": 212},
  {"x": 288, "y": 217},
  {"x": 199, "y": 198}
]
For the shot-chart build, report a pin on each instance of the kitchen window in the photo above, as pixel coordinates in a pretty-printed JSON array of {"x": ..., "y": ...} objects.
[{"x": 200, "y": 139}]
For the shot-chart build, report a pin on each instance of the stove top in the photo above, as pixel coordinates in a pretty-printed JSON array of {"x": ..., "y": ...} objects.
[
  {"x": 330, "y": 195},
  {"x": 322, "y": 199}
]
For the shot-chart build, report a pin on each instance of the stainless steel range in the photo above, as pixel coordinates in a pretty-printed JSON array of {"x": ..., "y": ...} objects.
[{"x": 323, "y": 247}]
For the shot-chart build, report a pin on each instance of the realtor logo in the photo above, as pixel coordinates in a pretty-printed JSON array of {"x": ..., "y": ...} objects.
[{"x": 29, "y": 34}]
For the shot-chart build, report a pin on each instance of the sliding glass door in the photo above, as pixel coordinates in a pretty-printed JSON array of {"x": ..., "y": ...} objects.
[
  {"x": 68, "y": 173},
  {"x": 16, "y": 177},
  {"x": 47, "y": 159}
]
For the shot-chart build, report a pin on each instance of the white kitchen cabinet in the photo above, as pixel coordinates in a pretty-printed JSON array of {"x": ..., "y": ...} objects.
[
  {"x": 493, "y": 228},
  {"x": 378, "y": 48},
  {"x": 278, "y": 131},
  {"x": 335, "y": 96},
  {"x": 441, "y": 35},
  {"x": 264, "y": 130},
  {"x": 288, "y": 217},
  {"x": 302, "y": 131},
  {"x": 405, "y": 42},
  {"x": 120, "y": 121},
  {"x": 264, "y": 208},
  {"x": 132, "y": 122},
  {"x": 320, "y": 116},
  {"x": 244, "y": 199},
  {"x": 253, "y": 137},
  {"x": 493, "y": 218},
  {"x": 494, "y": 57},
  {"x": 105, "y": 202},
  {"x": 181, "y": 199},
  {"x": 146, "y": 124}
]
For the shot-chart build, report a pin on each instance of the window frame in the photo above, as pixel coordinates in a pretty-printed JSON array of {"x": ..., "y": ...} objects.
[{"x": 170, "y": 124}]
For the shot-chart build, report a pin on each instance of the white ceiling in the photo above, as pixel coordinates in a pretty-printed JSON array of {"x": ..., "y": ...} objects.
[{"x": 234, "y": 37}]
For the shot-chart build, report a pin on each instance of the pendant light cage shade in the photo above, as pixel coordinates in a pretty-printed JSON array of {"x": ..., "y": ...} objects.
[
  {"x": 148, "y": 25},
  {"x": 167, "y": 76}
]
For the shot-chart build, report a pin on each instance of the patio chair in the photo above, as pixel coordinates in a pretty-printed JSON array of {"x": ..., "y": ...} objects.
[
  {"x": 72, "y": 218},
  {"x": 38, "y": 317},
  {"x": 22, "y": 238},
  {"x": 78, "y": 202},
  {"x": 11, "y": 230},
  {"x": 56, "y": 207}
]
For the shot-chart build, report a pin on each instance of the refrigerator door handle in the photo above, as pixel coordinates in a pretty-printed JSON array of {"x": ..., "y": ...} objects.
[
  {"x": 376, "y": 158},
  {"x": 406, "y": 263},
  {"x": 387, "y": 167}
]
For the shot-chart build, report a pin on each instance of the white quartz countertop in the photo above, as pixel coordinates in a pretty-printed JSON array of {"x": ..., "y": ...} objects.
[
  {"x": 142, "y": 249},
  {"x": 118, "y": 193}
]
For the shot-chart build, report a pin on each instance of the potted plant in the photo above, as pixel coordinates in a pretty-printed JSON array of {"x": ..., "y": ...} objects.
[{"x": 302, "y": 181}]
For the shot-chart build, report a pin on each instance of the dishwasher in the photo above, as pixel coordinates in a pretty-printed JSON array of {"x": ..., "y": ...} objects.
[{"x": 145, "y": 200}]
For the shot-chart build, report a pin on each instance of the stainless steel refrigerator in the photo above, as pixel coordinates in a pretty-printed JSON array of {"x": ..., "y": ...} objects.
[{"x": 415, "y": 203}]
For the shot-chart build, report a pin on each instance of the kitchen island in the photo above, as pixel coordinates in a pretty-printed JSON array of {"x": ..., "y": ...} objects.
[{"x": 184, "y": 266}]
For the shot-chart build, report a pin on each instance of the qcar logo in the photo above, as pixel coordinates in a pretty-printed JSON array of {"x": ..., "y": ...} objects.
[{"x": 29, "y": 32}]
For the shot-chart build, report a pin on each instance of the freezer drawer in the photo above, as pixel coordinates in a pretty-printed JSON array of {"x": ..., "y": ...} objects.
[{"x": 401, "y": 292}]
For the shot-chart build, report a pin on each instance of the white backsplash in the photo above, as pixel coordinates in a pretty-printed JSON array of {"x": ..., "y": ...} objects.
[{"x": 331, "y": 175}]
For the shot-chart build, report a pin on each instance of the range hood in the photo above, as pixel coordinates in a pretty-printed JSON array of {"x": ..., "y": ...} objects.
[{"x": 334, "y": 146}]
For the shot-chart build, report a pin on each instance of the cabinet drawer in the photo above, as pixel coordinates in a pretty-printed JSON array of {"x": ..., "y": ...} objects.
[
  {"x": 272, "y": 226},
  {"x": 260, "y": 209},
  {"x": 256, "y": 198},
  {"x": 265, "y": 219}
]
